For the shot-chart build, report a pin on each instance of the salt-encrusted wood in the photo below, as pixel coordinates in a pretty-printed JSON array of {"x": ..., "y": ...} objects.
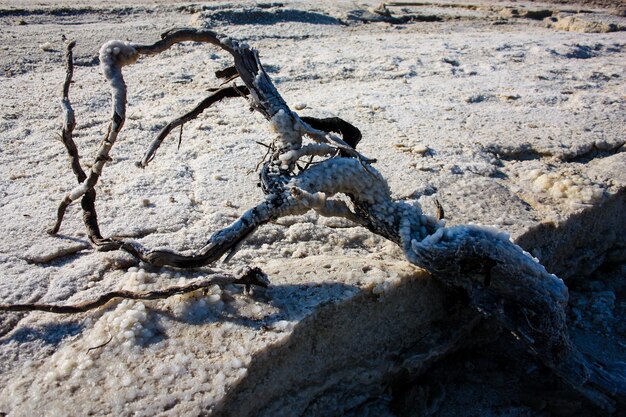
[
  {"x": 502, "y": 281},
  {"x": 113, "y": 56},
  {"x": 507, "y": 284}
]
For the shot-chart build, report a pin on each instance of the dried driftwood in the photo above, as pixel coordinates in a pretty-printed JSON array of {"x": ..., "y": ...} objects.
[{"x": 502, "y": 281}]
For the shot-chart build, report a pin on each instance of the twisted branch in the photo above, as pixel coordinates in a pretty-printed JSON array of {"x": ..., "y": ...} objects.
[
  {"x": 114, "y": 55},
  {"x": 90, "y": 218},
  {"x": 502, "y": 281}
]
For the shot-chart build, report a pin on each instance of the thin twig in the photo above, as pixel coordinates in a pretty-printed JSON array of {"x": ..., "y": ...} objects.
[
  {"x": 180, "y": 136},
  {"x": 440, "y": 213},
  {"x": 308, "y": 163},
  {"x": 102, "y": 345},
  {"x": 218, "y": 95},
  {"x": 269, "y": 150}
]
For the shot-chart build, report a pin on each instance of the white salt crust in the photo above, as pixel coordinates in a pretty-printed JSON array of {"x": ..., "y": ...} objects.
[
  {"x": 114, "y": 55},
  {"x": 110, "y": 352},
  {"x": 571, "y": 188},
  {"x": 288, "y": 134}
]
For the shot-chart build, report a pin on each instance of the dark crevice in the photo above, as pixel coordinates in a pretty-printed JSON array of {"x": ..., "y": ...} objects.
[
  {"x": 526, "y": 152},
  {"x": 69, "y": 11},
  {"x": 595, "y": 153},
  {"x": 264, "y": 16}
]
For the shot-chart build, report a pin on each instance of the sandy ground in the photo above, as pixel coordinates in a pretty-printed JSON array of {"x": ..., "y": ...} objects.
[{"x": 510, "y": 114}]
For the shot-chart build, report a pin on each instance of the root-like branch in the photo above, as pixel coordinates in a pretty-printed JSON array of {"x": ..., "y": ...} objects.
[
  {"x": 113, "y": 56},
  {"x": 253, "y": 276}
]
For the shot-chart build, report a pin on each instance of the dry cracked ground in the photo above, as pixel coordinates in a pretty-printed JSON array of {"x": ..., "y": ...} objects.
[{"x": 509, "y": 114}]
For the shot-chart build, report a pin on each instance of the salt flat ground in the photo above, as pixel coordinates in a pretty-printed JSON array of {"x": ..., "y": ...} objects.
[{"x": 507, "y": 120}]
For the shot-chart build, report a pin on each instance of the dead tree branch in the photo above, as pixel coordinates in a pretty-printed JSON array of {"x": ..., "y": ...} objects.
[
  {"x": 90, "y": 218},
  {"x": 114, "y": 56},
  {"x": 253, "y": 276},
  {"x": 502, "y": 281}
]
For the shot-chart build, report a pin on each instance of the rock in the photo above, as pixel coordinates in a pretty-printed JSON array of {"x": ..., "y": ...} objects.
[
  {"x": 586, "y": 23},
  {"x": 525, "y": 13}
]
